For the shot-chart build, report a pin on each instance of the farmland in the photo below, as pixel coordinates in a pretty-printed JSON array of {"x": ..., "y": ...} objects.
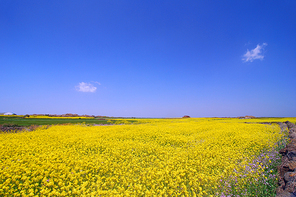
[
  {"x": 45, "y": 120},
  {"x": 144, "y": 157}
]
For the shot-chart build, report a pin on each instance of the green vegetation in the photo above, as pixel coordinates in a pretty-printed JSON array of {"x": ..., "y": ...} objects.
[{"x": 20, "y": 121}]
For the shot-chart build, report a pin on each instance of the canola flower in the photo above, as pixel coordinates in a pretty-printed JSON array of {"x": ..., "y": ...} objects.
[
  {"x": 11, "y": 116},
  {"x": 155, "y": 157}
]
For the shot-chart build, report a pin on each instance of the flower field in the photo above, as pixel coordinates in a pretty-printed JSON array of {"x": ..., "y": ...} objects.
[{"x": 153, "y": 157}]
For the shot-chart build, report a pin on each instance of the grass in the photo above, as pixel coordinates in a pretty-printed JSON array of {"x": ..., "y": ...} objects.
[{"x": 19, "y": 121}]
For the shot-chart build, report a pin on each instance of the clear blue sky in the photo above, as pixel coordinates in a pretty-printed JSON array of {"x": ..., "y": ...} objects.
[{"x": 148, "y": 58}]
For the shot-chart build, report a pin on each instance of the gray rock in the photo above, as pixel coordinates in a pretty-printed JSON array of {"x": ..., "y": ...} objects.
[
  {"x": 292, "y": 155},
  {"x": 289, "y": 124},
  {"x": 292, "y": 135},
  {"x": 290, "y": 186},
  {"x": 290, "y": 176},
  {"x": 285, "y": 194}
]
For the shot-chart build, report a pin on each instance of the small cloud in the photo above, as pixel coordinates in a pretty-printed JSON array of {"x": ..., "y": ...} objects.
[
  {"x": 86, "y": 87},
  {"x": 97, "y": 82},
  {"x": 255, "y": 53}
]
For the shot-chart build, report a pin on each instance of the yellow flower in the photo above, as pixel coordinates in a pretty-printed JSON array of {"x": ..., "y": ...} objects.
[{"x": 160, "y": 157}]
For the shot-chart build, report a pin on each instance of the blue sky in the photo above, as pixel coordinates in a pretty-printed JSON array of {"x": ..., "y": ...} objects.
[{"x": 148, "y": 58}]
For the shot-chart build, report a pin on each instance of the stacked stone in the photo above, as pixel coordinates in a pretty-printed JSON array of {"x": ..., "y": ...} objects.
[{"x": 287, "y": 170}]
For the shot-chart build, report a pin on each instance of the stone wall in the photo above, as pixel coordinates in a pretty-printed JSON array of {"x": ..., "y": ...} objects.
[{"x": 287, "y": 169}]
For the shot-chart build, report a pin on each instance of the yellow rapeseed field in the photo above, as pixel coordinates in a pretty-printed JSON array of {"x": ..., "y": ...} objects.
[{"x": 155, "y": 157}]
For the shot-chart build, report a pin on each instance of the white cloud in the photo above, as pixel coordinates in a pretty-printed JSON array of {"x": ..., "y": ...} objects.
[
  {"x": 97, "y": 82},
  {"x": 86, "y": 87},
  {"x": 255, "y": 53}
]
